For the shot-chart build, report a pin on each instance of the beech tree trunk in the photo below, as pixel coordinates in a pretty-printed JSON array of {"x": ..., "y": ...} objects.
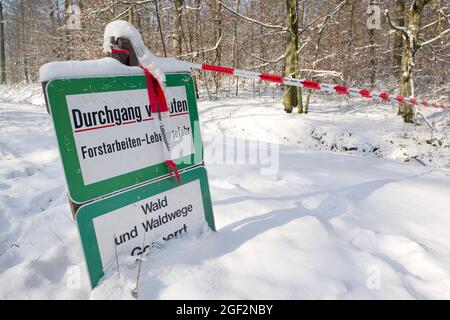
[
  {"x": 410, "y": 47},
  {"x": 400, "y": 20},
  {"x": 179, "y": 27},
  {"x": 372, "y": 58},
  {"x": 218, "y": 35},
  {"x": 292, "y": 95},
  {"x": 2, "y": 47}
]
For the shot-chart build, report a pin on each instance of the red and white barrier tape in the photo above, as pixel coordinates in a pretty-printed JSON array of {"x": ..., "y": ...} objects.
[
  {"x": 323, "y": 87},
  {"x": 313, "y": 85}
]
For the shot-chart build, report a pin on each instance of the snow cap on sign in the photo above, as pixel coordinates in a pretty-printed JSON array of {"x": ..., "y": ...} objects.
[
  {"x": 72, "y": 69},
  {"x": 157, "y": 66}
]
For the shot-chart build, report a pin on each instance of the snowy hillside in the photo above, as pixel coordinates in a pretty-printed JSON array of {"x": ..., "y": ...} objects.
[{"x": 356, "y": 206}]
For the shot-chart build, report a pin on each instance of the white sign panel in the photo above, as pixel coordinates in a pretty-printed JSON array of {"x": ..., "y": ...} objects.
[
  {"x": 116, "y": 133},
  {"x": 159, "y": 218}
]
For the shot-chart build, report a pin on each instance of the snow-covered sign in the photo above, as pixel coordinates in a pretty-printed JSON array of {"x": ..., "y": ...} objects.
[
  {"x": 108, "y": 137},
  {"x": 133, "y": 222}
]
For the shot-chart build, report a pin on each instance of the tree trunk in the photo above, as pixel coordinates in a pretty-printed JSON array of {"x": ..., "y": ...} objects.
[
  {"x": 292, "y": 95},
  {"x": 67, "y": 37},
  {"x": 400, "y": 20},
  {"x": 410, "y": 47},
  {"x": 372, "y": 52},
  {"x": 130, "y": 15},
  {"x": 179, "y": 26},
  {"x": 372, "y": 58},
  {"x": 235, "y": 52},
  {"x": 24, "y": 41},
  {"x": 158, "y": 18},
  {"x": 351, "y": 32},
  {"x": 308, "y": 98},
  {"x": 2, "y": 47},
  {"x": 218, "y": 57}
]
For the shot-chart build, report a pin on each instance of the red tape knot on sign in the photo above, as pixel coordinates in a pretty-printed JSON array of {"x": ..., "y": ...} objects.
[
  {"x": 271, "y": 78},
  {"x": 172, "y": 168},
  {"x": 155, "y": 93},
  {"x": 384, "y": 96},
  {"x": 158, "y": 104},
  {"x": 119, "y": 51},
  {"x": 413, "y": 101},
  {"x": 365, "y": 93},
  {"x": 217, "y": 69},
  {"x": 307, "y": 84},
  {"x": 341, "y": 90}
]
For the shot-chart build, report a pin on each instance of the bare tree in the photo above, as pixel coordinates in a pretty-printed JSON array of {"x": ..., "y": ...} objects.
[
  {"x": 411, "y": 44},
  {"x": 2, "y": 46},
  {"x": 292, "y": 95},
  {"x": 400, "y": 20},
  {"x": 253, "y": 35}
]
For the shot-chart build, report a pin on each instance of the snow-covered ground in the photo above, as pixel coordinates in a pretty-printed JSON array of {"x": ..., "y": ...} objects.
[{"x": 358, "y": 208}]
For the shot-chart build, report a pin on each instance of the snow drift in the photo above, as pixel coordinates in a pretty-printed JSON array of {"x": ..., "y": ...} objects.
[{"x": 339, "y": 224}]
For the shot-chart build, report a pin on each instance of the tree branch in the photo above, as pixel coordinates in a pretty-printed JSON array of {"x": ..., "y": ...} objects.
[
  {"x": 196, "y": 53},
  {"x": 266, "y": 25},
  {"x": 444, "y": 17},
  {"x": 435, "y": 38},
  {"x": 264, "y": 60},
  {"x": 394, "y": 26},
  {"x": 270, "y": 62}
]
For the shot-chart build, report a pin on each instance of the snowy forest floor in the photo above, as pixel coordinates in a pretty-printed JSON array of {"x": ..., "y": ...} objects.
[{"x": 357, "y": 208}]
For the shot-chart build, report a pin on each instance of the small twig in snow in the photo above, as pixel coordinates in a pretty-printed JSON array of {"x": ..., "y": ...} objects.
[{"x": 117, "y": 256}]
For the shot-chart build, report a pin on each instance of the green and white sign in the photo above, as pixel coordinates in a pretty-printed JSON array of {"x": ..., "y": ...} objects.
[
  {"x": 108, "y": 137},
  {"x": 136, "y": 220}
]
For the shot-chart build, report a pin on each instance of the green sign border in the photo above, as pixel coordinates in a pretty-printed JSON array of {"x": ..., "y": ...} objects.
[
  {"x": 58, "y": 89},
  {"x": 89, "y": 211}
]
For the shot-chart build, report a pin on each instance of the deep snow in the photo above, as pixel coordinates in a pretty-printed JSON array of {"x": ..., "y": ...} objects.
[{"x": 344, "y": 216}]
